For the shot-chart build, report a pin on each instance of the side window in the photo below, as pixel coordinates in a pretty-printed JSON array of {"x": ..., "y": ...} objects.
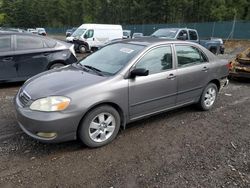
[
  {"x": 157, "y": 60},
  {"x": 5, "y": 43},
  {"x": 188, "y": 55},
  {"x": 193, "y": 35},
  {"x": 28, "y": 42},
  {"x": 90, "y": 33},
  {"x": 181, "y": 34}
]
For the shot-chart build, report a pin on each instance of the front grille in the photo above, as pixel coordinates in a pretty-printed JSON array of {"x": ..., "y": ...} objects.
[{"x": 24, "y": 98}]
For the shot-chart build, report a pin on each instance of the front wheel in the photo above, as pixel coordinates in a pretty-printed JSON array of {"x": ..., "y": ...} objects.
[
  {"x": 208, "y": 97},
  {"x": 83, "y": 49},
  {"x": 100, "y": 126}
]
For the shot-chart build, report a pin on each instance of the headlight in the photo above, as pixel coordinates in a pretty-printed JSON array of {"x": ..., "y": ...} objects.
[
  {"x": 50, "y": 104},
  {"x": 72, "y": 50}
]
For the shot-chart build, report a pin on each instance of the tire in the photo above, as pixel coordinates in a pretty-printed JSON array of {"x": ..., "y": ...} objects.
[
  {"x": 208, "y": 97},
  {"x": 94, "y": 132},
  {"x": 56, "y": 66},
  {"x": 82, "y": 49},
  {"x": 213, "y": 50}
]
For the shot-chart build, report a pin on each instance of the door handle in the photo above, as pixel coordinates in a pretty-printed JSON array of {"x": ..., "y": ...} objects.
[
  {"x": 171, "y": 77},
  {"x": 205, "y": 69},
  {"x": 46, "y": 54},
  {"x": 7, "y": 59}
]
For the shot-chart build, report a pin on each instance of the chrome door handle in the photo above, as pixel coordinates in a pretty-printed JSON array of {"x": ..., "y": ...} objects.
[
  {"x": 205, "y": 69},
  {"x": 7, "y": 59},
  {"x": 171, "y": 76}
]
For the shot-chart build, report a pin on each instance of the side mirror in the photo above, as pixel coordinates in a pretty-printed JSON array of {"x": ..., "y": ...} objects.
[
  {"x": 139, "y": 72},
  {"x": 85, "y": 36}
]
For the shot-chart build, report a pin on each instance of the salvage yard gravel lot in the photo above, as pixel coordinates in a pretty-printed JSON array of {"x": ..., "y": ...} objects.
[{"x": 181, "y": 148}]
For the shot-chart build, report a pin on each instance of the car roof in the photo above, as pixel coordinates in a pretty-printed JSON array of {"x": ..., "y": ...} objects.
[
  {"x": 151, "y": 41},
  {"x": 177, "y": 28}
]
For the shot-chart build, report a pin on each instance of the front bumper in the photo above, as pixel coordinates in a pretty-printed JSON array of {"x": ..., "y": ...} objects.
[{"x": 64, "y": 125}]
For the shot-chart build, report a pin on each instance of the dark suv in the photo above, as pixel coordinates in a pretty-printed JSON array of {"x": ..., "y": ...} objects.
[{"x": 25, "y": 55}]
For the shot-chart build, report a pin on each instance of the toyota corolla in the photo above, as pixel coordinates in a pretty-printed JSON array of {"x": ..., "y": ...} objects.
[{"x": 123, "y": 82}]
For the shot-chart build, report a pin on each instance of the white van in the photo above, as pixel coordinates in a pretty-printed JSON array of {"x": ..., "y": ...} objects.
[{"x": 95, "y": 35}]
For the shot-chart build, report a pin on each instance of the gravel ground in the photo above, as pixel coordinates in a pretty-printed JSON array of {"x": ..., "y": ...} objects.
[{"x": 181, "y": 148}]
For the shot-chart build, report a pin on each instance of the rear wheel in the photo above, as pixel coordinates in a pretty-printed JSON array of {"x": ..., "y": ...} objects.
[
  {"x": 208, "y": 97},
  {"x": 213, "y": 50},
  {"x": 100, "y": 126}
]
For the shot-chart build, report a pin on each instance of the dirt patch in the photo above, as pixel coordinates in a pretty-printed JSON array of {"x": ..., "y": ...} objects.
[{"x": 236, "y": 46}]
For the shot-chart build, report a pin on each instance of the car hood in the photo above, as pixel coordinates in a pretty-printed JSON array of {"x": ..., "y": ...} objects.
[{"x": 61, "y": 81}]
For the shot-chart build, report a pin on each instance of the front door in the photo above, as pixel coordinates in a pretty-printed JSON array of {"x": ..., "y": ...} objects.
[
  {"x": 193, "y": 73},
  {"x": 7, "y": 65},
  {"x": 157, "y": 91}
]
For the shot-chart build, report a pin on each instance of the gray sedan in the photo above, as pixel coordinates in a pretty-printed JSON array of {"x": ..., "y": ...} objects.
[{"x": 123, "y": 82}]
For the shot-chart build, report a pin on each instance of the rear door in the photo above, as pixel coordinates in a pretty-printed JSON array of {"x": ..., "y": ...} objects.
[
  {"x": 31, "y": 56},
  {"x": 7, "y": 65},
  {"x": 193, "y": 70},
  {"x": 157, "y": 91}
]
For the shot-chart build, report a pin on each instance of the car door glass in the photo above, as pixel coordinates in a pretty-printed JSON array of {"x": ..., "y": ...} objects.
[
  {"x": 90, "y": 33},
  {"x": 157, "y": 60},
  {"x": 188, "y": 55},
  {"x": 193, "y": 35},
  {"x": 5, "y": 43},
  {"x": 181, "y": 34},
  {"x": 28, "y": 42}
]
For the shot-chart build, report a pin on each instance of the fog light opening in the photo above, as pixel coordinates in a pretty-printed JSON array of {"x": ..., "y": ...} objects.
[{"x": 46, "y": 135}]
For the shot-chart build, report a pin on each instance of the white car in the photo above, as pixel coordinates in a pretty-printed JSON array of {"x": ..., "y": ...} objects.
[{"x": 33, "y": 31}]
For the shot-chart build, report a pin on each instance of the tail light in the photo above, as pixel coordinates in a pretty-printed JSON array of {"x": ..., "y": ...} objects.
[{"x": 229, "y": 66}]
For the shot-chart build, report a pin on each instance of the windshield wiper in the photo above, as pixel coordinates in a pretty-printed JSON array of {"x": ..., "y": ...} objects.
[{"x": 98, "y": 71}]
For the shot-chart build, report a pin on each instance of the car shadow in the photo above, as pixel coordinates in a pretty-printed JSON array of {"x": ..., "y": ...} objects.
[
  {"x": 10, "y": 85},
  {"x": 240, "y": 80}
]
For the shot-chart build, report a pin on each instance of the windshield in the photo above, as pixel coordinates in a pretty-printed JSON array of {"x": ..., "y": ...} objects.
[
  {"x": 112, "y": 58},
  {"x": 168, "y": 33},
  {"x": 78, "y": 32}
]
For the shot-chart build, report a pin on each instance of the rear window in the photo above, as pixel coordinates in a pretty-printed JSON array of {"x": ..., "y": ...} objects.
[
  {"x": 28, "y": 42},
  {"x": 5, "y": 43},
  {"x": 193, "y": 35}
]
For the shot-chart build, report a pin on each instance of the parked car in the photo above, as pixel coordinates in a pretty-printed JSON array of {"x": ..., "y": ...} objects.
[
  {"x": 120, "y": 83},
  {"x": 94, "y": 35},
  {"x": 25, "y": 55},
  {"x": 41, "y": 31},
  {"x": 69, "y": 32},
  {"x": 4, "y": 29},
  {"x": 126, "y": 34},
  {"x": 191, "y": 35},
  {"x": 137, "y": 35},
  {"x": 33, "y": 31}
]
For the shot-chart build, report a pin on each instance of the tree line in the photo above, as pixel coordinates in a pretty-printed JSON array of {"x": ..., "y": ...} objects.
[{"x": 63, "y": 13}]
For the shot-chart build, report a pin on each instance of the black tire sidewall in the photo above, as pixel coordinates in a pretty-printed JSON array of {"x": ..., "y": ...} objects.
[
  {"x": 202, "y": 103},
  {"x": 83, "y": 131}
]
